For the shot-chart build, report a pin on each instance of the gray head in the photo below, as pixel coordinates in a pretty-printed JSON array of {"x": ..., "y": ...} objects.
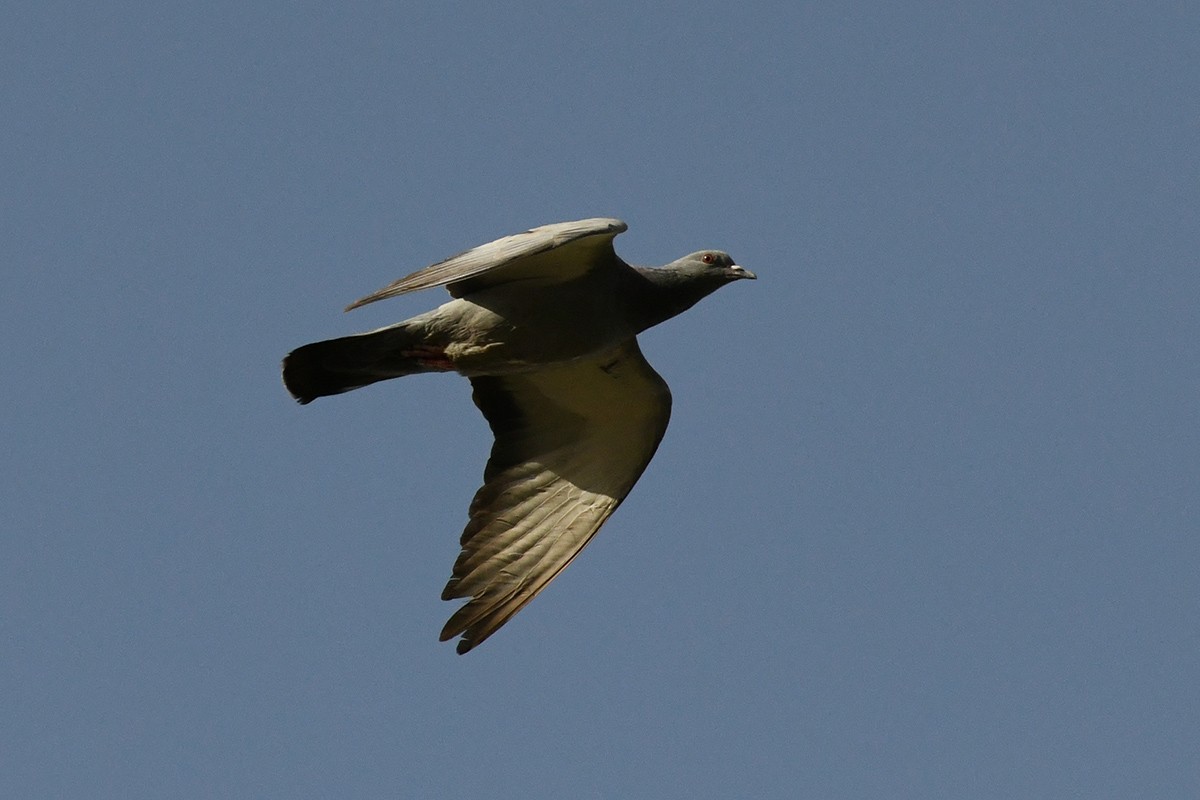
[
  {"x": 681, "y": 284},
  {"x": 709, "y": 265}
]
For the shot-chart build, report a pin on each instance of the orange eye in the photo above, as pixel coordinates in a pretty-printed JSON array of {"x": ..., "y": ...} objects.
[{"x": 708, "y": 258}]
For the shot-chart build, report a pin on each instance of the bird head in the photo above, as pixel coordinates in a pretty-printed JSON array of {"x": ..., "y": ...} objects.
[{"x": 712, "y": 264}]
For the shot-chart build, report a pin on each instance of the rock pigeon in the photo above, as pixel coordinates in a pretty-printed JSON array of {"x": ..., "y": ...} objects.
[{"x": 544, "y": 324}]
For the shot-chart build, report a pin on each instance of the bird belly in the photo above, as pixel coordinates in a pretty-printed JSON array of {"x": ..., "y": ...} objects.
[{"x": 494, "y": 340}]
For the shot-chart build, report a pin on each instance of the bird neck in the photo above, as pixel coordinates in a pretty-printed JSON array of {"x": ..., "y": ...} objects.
[{"x": 666, "y": 294}]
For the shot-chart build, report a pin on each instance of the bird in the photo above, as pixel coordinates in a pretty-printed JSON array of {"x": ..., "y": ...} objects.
[{"x": 544, "y": 324}]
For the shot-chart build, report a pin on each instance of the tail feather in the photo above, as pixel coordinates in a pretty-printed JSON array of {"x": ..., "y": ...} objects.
[{"x": 339, "y": 365}]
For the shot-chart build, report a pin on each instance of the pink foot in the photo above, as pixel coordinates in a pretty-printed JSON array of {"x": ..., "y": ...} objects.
[{"x": 430, "y": 357}]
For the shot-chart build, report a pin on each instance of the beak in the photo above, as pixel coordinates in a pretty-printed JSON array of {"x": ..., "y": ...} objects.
[{"x": 737, "y": 273}]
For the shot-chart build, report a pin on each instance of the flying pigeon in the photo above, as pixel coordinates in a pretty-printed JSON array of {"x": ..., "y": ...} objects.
[{"x": 544, "y": 323}]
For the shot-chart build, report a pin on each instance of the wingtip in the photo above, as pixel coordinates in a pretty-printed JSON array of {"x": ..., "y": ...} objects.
[{"x": 464, "y": 645}]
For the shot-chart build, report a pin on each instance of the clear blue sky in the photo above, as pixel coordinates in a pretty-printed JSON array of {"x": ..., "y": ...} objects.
[{"x": 925, "y": 523}]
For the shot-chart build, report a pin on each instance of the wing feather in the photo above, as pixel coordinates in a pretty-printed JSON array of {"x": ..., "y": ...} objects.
[
  {"x": 552, "y": 252},
  {"x": 571, "y": 441}
]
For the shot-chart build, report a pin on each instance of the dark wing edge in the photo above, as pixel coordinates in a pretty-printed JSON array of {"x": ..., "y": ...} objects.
[
  {"x": 505, "y": 252},
  {"x": 571, "y": 441}
]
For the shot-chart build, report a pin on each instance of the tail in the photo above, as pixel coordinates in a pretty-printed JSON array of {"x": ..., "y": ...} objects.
[{"x": 339, "y": 365}]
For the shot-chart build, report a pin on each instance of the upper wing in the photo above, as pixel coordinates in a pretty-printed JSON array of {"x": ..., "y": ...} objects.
[
  {"x": 571, "y": 440},
  {"x": 559, "y": 251}
]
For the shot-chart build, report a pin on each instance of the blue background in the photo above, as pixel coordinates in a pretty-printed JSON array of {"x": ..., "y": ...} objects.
[{"x": 925, "y": 521}]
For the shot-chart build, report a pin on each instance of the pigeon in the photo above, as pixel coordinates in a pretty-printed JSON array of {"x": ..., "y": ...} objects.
[{"x": 544, "y": 324}]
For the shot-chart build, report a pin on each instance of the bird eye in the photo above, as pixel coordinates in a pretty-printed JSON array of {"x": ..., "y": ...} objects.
[{"x": 708, "y": 258}]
